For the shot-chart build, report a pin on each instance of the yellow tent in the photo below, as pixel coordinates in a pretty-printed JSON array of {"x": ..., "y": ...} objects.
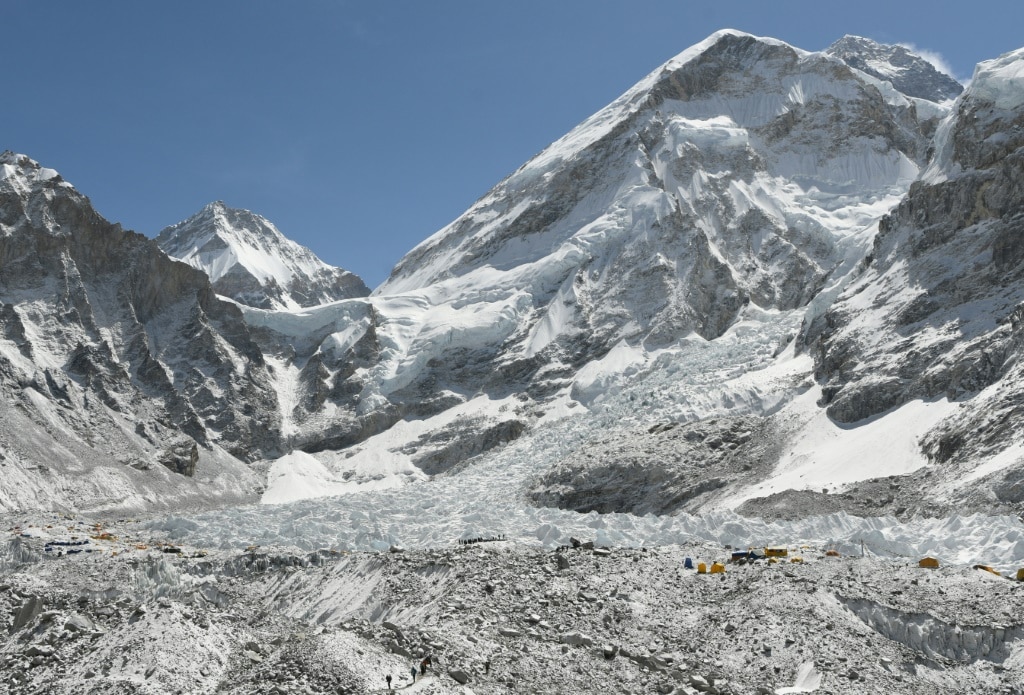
[
  {"x": 928, "y": 562},
  {"x": 717, "y": 568}
]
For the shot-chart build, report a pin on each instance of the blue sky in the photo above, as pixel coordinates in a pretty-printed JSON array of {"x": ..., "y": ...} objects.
[{"x": 360, "y": 128}]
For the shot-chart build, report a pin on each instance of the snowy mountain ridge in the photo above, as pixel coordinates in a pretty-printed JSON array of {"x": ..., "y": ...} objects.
[{"x": 719, "y": 117}]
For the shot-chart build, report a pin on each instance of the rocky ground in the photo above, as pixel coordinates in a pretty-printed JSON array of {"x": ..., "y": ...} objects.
[
  {"x": 666, "y": 467},
  {"x": 671, "y": 468},
  {"x": 126, "y": 614}
]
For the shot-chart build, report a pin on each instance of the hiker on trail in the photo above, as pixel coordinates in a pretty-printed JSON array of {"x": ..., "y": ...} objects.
[
  {"x": 487, "y": 666},
  {"x": 388, "y": 679},
  {"x": 414, "y": 673}
]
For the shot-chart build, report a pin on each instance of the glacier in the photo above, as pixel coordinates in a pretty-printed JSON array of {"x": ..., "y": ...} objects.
[{"x": 485, "y": 500}]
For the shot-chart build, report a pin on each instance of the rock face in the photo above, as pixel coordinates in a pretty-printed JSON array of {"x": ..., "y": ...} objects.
[
  {"x": 250, "y": 261},
  {"x": 111, "y": 347},
  {"x": 937, "y": 312},
  {"x": 909, "y": 73}
]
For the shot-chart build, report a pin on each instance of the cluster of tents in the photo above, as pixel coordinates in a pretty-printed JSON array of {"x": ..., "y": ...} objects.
[
  {"x": 933, "y": 563},
  {"x": 66, "y": 547},
  {"x": 777, "y": 553},
  {"x": 771, "y": 553}
]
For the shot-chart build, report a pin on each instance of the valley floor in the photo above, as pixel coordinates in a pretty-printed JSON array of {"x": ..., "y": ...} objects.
[{"x": 130, "y": 612}]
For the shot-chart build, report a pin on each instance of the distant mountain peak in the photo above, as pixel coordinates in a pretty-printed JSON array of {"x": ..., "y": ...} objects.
[
  {"x": 249, "y": 260},
  {"x": 908, "y": 72},
  {"x": 29, "y": 171}
]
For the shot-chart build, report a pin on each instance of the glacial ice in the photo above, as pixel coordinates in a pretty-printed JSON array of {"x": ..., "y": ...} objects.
[
  {"x": 1001, "y": 80},
  {"x": 741, "y": 372}
]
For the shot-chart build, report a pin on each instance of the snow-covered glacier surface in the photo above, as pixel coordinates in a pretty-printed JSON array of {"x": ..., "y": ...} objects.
[{"x": 750, "y": 370}]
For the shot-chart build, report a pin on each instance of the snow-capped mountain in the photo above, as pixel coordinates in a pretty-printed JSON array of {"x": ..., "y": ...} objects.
[
  {"x": 664, "y": 278},
  {"x": 766, "y": 298},
  {"x": 743, "y": 176},
  {"x": 250, "y": 261},
  {"x": 906, "y": 71}
]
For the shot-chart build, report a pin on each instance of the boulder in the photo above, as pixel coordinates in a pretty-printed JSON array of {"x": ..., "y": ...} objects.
[
  {"x": 395, "y": 629},
  {"x": 39, "y": 650},
  {"x": 77, "y": 622},
  {"x": 576, "y": 638},
  {"x": 396, "y": 648},
  {"x": 699, "y": 683},
  {"x": 29, "y": 610},
  {"x": 459, "y": 676}
]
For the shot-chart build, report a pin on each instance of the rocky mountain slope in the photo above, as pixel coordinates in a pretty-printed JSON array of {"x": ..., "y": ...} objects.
[
  {"x": 250, "y": 261},
  {"x": 743, "y": 173},
  {"x": 118, "y": 365},
  {"x": 937, "y": 311}
]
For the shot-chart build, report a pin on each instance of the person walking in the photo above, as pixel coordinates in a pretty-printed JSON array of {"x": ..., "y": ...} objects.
[
  {"x": 414, "y": 673},
  {"x": 388, "y": 679}
]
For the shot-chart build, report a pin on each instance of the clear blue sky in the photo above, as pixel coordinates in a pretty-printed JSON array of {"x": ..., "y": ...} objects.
[{"x": 360, "y": 128}]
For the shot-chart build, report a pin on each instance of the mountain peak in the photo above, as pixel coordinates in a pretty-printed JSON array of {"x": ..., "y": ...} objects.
[
  {"x": 14, "y": 166},
  {"x": 249, "y": 260},
  {"x": 726, "y": 41},
  {"x": 907, "y": 71}
]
